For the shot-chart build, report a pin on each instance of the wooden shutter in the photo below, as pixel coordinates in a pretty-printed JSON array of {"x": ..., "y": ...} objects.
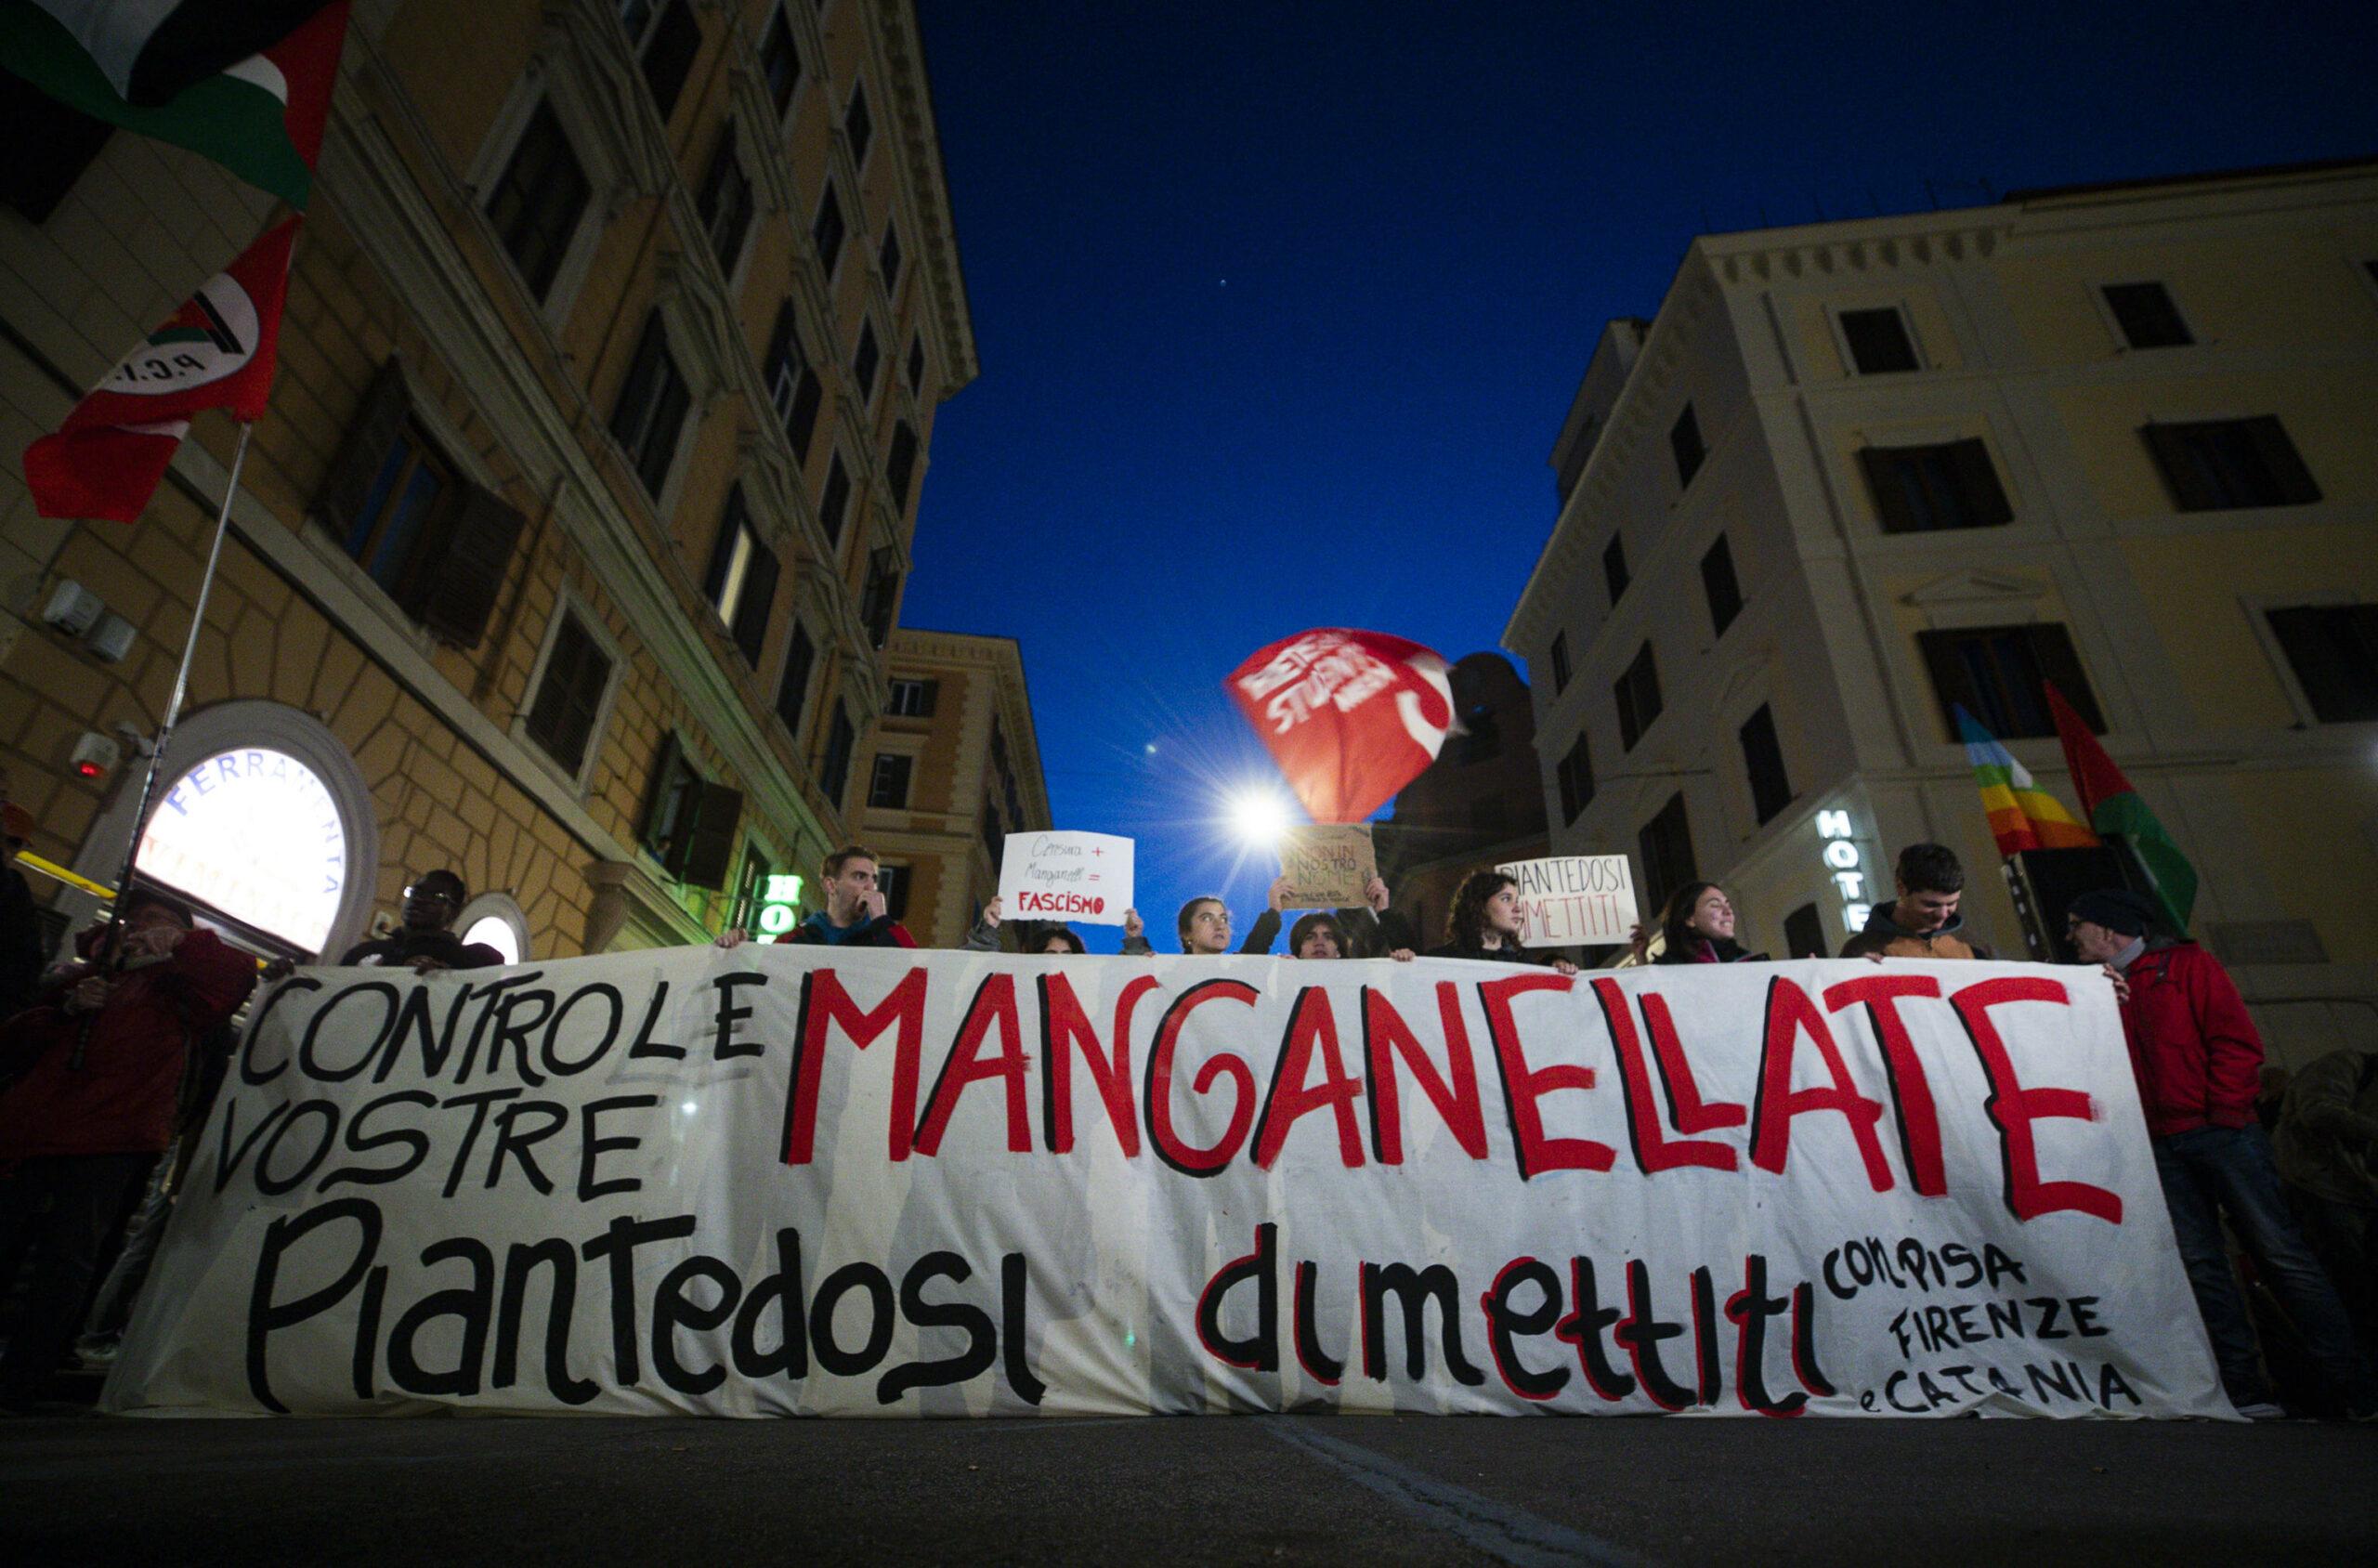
[
  {"x": 656, "y": 793},
  {"x": 2281, "y": 461},
  {"x": 1886, "y": 484},
  {"x": 378, "y": 421},
  {"x": 759, "y": 597},
  {"x": 707, "y": 849},
  {"x": 464, "y": 570},
  {"x": 1985, "y": 498},
  {"x": 2192, "y": 491}
]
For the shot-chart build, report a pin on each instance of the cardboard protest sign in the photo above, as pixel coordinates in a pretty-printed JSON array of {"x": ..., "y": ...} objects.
[
  {"x": 822, "y": 1181},
  {"x": 1569, "y": 900},
  {"x": 1066, "y": 876},
  {"x": 1328, "y": 865},
  {"x": 1351, "y": 717}
]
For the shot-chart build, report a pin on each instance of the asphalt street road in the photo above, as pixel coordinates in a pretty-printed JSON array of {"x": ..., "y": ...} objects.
[{"x": 1411, "y": 1489}]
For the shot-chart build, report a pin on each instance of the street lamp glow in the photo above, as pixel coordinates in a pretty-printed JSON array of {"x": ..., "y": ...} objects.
[{"x": 1258, "y": 816}]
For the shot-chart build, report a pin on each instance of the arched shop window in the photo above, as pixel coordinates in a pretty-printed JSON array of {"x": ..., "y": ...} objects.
[
  {"x": 263, "y": 822},
  {"x": 496, "y": 920}
]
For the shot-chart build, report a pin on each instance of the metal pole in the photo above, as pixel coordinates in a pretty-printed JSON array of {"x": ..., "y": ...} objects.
[{"x": 173, "y": 712}]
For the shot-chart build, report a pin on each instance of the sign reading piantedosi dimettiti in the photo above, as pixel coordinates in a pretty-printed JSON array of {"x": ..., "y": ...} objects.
[
  {"x": 1066, "y": 876},
  {"x": 1574, "y": 900}
]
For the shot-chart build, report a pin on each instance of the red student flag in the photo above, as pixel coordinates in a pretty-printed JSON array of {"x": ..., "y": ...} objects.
[
  {"x": 1351, "y": 717},
  {"x": 216, "y": 352}
]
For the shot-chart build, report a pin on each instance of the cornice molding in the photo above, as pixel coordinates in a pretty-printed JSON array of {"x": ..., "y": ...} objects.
[{"x": 920, "y": 142}]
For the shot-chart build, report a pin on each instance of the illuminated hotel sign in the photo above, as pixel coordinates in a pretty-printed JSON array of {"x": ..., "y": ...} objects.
[
  {"x": 1846, "y": 868},
  {"x": 253, "y": 834},
  {"x": 780, "y": 904}
]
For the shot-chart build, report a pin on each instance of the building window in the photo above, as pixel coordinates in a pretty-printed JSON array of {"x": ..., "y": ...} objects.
[
  {"x": 1919, "y": 490},
  {"x": 1559, "y": 662},
  {"x": 2147, "y": 316},
  {"x": 889, "y": 788},
  {"x": 882, "y": 593},
  {"x": 651, "y": 410},
  {"x": 900, "y": 463},
  {"x": 1666, "y": 845},
  {"x": 1770, "y": 790},
  {"x": 780, "y": 63},
  {"x": 1576, "y": 781},
  {"x": 689, "y": 822},
  {"x": 834, "y": 771},
  {"x": 864, "y": 363},
  {"x": 1614, "y": 568},
  {"x": 1006, "y": 772},
  {"x": 1804, "y": 932},
  {"x": 406, "y": 495},
  {"x": 916, "y": 364},
  {"x": 2220, "y": 464},
  {"x": 792, "y": 689},
  {"x": 667, "y": 39},
  {"x": 2334, "y": 650},
  {"x": 726, "y": 203},
  {"x": 858, "y": 125},
  {"x": 887, "y": 257},
  {"x": 1879, "y": 341},
  {"x": 1637, "y": 692},
  {"x": 744, "y": 909},
  {"x": 1994, "y": 673},
  {"x": 836, "y": 502},
  {"x": 570, "y": 696},
  {"x": 912, "y": 700},
  {"x": 1718, "y": 586},
  {"x": 741, "y": 581},
  {"x": 828, "y": 232},
  {"x": 794, "y": 387},
  {"x": 994, "y": 836},
  {"x": 1684, "y": 440},
  {"x": 536, "y": 204},
  {"x": 892, "y": 882}
]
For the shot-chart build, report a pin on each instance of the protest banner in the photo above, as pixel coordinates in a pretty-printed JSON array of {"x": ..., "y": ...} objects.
[
  {"x": 1569, "y": 900},
  {"x": 1066, "y": 876},
  {"x": 779, "y": 1180},
  {"x": 1326, "y": 865}
]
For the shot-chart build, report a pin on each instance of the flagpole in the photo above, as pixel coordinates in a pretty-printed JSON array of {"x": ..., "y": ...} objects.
[{"x": 173, "y": 712}]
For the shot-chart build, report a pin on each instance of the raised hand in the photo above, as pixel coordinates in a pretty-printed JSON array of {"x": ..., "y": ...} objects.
[{"x": 1375, "y": 895}]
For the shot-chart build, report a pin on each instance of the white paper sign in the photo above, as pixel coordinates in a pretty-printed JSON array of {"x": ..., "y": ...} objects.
[
  {"x": 1571, "y": 900},
  {"x": 1066, "y": 876}
]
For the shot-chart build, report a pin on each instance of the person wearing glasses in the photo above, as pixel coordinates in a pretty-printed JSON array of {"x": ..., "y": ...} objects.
[{"x": 424, "y": 938}]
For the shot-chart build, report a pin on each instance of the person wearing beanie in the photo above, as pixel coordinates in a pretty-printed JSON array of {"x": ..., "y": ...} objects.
[{"x": 2198, "y": 1059}]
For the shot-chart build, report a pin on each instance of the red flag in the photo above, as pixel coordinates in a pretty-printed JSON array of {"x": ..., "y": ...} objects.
[
  {"x": 1351, "y": 717},
  {"x": 216, "y": 352}
]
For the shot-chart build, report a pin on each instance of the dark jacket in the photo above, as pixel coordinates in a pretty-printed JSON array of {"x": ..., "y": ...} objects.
[
  {"x": 121, "y": 1098},
  {"x": 2328, "y": 1128},
  {"x": 1887, "y": 937},
  {"x": 2196, "y": 1055},
  {"x": 1488, "y": 955},
  {"x": 20, "y": 954},
  {"x": 406, "y": 943},
  {"x": 881, "y": 932},
  {"x": 1703, "y": 950},
  {"x": 1371, "y": 935}
]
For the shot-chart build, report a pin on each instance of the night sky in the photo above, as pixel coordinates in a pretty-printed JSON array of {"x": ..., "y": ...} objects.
[{"x": 1280, "y": 306}]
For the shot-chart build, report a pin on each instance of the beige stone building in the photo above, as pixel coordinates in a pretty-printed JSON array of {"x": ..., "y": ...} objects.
[
  {"x": 2124, "y": 438},
  {"x": 955, "y": 767},
  {"x": 566, "y": 552}
]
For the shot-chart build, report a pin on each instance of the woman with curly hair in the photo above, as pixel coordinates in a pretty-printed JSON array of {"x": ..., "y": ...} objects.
[{"x": 1484, "y": 922}]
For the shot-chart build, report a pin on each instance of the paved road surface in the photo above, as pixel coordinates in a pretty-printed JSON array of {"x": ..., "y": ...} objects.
[{"x": 1410, "y": 1489}]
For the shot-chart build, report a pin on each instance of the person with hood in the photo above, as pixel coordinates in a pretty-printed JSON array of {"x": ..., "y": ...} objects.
[
  {"x": 1922, "y": 921},
  {"x": 853, "y": 915},
  {"x": 1484, "y": 922},
  {"x": 2198, "y": 1059},
  {"x": 1696, "y": 926},
  {"x": 424, "y": 938},
  {"x": 98, "y": 1068},
  {"x": 1374, "y": 931}
]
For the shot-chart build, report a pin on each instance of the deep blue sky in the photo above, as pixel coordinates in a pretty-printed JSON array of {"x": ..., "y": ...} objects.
[{"x": 1280, "y": 305}]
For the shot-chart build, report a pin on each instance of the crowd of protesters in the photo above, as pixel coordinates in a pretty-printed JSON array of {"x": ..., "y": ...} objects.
[{"x": 106, "y": 1063}]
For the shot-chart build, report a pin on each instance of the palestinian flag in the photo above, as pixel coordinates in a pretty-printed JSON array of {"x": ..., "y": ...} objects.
[
  {"x": 2118, "y": 811},
  {"x": 216, "y": 352},
  {"x": 246, "y": 82},
  {"x": 2022, "y": 815}
]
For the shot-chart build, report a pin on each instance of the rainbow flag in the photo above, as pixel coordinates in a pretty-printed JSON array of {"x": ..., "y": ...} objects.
[{"x": 2022, "y": 815}]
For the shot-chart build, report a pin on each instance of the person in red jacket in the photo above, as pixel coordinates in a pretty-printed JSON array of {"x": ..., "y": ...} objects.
[
  {"x": 2198, "y": 1059},
  {"x": 101, "y": 1062}
]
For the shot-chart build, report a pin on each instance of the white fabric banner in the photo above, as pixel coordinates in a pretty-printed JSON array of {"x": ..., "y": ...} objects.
[{"x": 788, "y": 1180}]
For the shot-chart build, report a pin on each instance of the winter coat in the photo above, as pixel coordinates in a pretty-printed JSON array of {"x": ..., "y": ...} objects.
[
  {"x": 121, "y": 1098},
  {"x": 1371, "y": 935},
  {"x": 2328, "y": 1128},
  {"x": 1704, "y": 950},
  {"x": 401, "y": 947},
  {"x": 2196, "y": 1053},
  {"x": 881, "y": 932},
  {"x": 1885, "y": 937}
]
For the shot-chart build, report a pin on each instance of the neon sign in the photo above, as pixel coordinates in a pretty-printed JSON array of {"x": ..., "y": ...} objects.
[
  {"x": 779, "y": 903},
  {"x": 1847, "y": 867}
]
